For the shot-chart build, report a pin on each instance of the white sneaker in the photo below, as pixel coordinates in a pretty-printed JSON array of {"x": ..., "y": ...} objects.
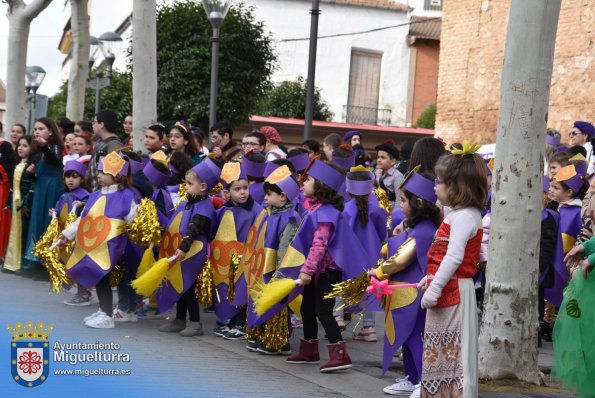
[
  {"x": 121, "y": 316},
  {"x": 417, "y": 392},
  {"x": 93, "y": 315},
  {"x": 101, "y": 321},
  {"x": 401, "y": 387}
]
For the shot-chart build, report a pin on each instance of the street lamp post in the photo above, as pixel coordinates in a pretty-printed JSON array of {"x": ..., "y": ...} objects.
[
  {"x": 34, "y": 76},
  {"x": 310, "y": 83},
  {"x": 216, "y": 11},
  {"x": 109, "y": 43}
]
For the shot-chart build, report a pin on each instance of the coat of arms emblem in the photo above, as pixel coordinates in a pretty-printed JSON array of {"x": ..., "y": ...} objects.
[{"x": 29, "y": 353}]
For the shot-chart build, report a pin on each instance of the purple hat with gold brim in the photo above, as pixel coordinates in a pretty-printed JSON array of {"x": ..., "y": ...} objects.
[
  {"x": 420, "y": 186},
  {"x": 269, "y": 168},
  {"x": 282, "y": 178},
  {"x": 300, "y": 162},
  {"x": 253, "y": 169},
  {"x": 156, "y": 177},
  {"x": 113, "y": 164},
  {"x": 327, "y": 175},
  {"x": 208, "y": 172},
  {"x": 77, "y": 167},
  {"x": 231, "y": 171},
  {"x": 569, "y": 176},
  {"x": 553, "y": 139},
  {"x": 359, "y": 187}
]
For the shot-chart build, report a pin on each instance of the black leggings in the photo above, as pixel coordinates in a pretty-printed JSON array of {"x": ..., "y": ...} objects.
[
  {"x": 188, "y": 302},
  {"x": 105, "y": 295},
  {"x": 315, "y": 306}
]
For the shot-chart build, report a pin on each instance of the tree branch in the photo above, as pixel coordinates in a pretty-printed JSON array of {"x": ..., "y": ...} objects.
[{"x": 33, "y": 9}]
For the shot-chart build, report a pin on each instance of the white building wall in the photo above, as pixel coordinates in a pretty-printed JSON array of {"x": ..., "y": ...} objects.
[
  {"x": 291, "y": 19},
  {"x": 420, "y": 11}
]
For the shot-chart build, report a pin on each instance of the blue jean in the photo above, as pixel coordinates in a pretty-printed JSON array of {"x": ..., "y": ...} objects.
[{"x": 127, "y": 297}]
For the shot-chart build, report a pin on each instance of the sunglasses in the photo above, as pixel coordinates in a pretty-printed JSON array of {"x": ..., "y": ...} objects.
[{"x": 574, "y": 133}]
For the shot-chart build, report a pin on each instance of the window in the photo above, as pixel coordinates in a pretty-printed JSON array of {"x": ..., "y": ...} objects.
[
  {"x": 433, "y": 5},
  {"x": 364, "y": 87}
]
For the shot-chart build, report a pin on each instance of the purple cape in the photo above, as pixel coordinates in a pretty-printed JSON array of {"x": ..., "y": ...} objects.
[
  {"x": 404, "y": 318},
  {"x": 261, "y": 253},
  {"x": 569, "y": 227},
  {"x": 101, "y": 237},
  {"x": 64, "y": 205},
  {"x": 234, "y": 224},
  {"x": 182, "y": 275},
  {"x": 352, "y": 262}
]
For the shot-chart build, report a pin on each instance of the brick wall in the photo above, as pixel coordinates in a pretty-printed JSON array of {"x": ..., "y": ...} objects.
[
  {"x": 426, "y": 76},
  {"x": 471, "y": 56}
]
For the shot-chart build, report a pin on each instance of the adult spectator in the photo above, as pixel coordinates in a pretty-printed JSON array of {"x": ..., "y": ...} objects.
[
  {"x": 223, "y": 146},
  {"x": 255, "y": 142},
  {"x": 352, "y": 138},
  {"x": 272, "y": 149},
  {"x": 7, "y": 165},
  {"x": 404, "y": 156},
  {"x": 583, "y": 134},
  {"x": 128, "y": 129},
  {"x": 104, "y": 128}
]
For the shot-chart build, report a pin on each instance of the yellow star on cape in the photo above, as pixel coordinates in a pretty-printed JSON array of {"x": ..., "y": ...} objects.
[
  {"x": 94, "y": 232},
  {"x": 174, "y": 274}
]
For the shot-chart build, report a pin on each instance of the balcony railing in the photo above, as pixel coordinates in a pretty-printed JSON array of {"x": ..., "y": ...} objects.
[{"x": 364, "y": 115}]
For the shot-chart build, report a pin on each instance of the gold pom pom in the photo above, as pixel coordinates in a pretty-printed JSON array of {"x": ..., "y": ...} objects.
[
  {"x": 116, "y": 275},
  {"x": 51, "y": 258},
  {"x": 205, "y": 284},
  {"x": 352, "y": 290},
  {"x": 384, "y": 203},
  {"x": 276, "y": 331},
  {"x": 182, "y": 193},
  {"x": 145, "y": 228}
]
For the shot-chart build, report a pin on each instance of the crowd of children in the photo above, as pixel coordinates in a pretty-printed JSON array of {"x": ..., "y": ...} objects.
[{"x": 236, "y": 220}]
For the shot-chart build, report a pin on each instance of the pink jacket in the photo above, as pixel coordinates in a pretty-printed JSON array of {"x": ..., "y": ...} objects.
[{"x": 319, "y": 259}]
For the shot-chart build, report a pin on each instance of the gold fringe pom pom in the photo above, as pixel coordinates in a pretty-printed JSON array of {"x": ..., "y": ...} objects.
[
  {"x": 233, "y": 268},
  {"x": 276, "y": 331},
  {"x": 352, "y": 290},
  {"x": 266, "y": 295},
  {"x": 383, "y": 202},
  {"x": 182, "y": 193},
  {"x": 145, "y": 230},
  {"x": 150, "y": 281},
  {"x": 116, "y": 275},
  {"x": 146, "y": 262},
  {"x": 51, "y": 258},
  {"x": 205, "y": 285},
  {"x": 255, "y": 334}
]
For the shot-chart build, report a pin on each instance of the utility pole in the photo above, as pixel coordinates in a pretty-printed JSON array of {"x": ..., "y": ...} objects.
[{"x": 310, "y": 84}]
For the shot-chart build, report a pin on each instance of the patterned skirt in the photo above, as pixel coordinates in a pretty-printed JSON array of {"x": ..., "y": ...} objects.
[{"x": 450, "y": 348}]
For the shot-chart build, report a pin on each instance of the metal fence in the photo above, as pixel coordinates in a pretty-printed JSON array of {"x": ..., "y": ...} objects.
[{"x": 364, "y": 115}]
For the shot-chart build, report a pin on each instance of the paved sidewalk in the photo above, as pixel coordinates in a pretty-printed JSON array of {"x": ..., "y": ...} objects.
[{"x": 206, "y": 366}]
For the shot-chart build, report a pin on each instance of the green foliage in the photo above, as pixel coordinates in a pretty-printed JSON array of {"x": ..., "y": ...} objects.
[
  {"x": 427, "y": 119},
  {"x": 288, "y": 99},
  {"x": 246, "y": 62},
  {"x": 118, "y": 98}
]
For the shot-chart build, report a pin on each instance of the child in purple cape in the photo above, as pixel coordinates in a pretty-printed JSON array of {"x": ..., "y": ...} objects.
[{"x": 406, "y": 263}]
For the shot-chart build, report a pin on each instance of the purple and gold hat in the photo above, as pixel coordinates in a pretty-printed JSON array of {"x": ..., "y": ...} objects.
[
  {"x": 553, "y": 139},
  {"x": 300, "y": 161},
  {"x": 328, "y": 176},
  {"x": 359, "y": 187},
  {"x": 282, "y": 178},
  {"x": 570, "y": 177},
  {"x": 420, "y": 186},
  {"x": 269, "y": 168},
  {"x": 77, "y": 167},
  {"x": 113, "y": 164},
  {"x": 208, "y": 172},
  {"x": 253, "y": 169},
  {"x": 232, "y": 171},
  {"x": 580, "y": 163},
  {"x": 156, "y": 177}
]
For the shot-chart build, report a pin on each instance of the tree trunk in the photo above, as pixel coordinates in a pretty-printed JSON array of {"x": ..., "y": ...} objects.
[
  {"x": 144, "y": 68},
  {"x": 79, "y": 63},
  {"x": 19, "y": 17},
  {"x": 508, "y": 336}
]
